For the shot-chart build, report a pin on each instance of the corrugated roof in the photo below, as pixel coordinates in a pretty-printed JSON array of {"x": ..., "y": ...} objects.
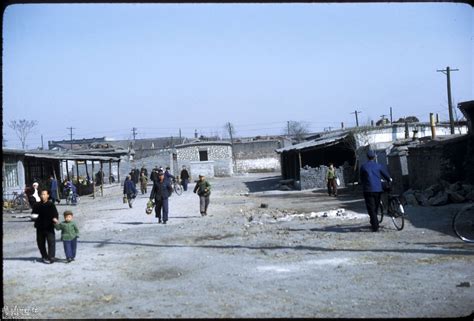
[
  {"x": 202, "y": 143},
  {"x": 329, "y": 139},
  {"x": 66, "y": 156}
]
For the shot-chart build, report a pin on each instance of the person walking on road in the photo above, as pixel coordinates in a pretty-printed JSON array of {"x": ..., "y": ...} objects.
[
  {"x": 69, "y": 235},
  {"x": 371, "y": 174},
  {"x": 203, "y": 189},
  {"x": 168, "y": 176},
  {"x": 46, "y": 211},
  {"x": 331, "y": 180},
  {"x": 54, "y": 190},
  {"x": 129, "y": 190},
  {"x": 160, "y": 193},
  {"x": 184, "y": 178},
  {"x": 143, "y": 182}
]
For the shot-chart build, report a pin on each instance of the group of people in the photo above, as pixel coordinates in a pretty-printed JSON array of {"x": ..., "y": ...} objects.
[
  {"x": 371, "y": 174},
  {"x": 162, "y": 189}
]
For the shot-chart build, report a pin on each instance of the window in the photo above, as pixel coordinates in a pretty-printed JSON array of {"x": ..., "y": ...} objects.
[
  {"x": 11, "y": 175},
  {"x": 203, "y": 155}
]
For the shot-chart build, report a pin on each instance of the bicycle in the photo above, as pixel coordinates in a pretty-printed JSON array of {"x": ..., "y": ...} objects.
[
  {"x": 393, "y": 207},
  {"x": 17, "y": 202},
  {"x": 177, "y": 187},
  {"x": 463, "y": 223}
]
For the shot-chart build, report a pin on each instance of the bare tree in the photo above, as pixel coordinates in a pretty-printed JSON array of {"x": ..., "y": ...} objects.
[
  {"x": 297, "y": 129},
  {"x": 22, "y": 129}
]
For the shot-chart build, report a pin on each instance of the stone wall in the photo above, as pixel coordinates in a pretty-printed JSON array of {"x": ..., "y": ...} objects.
[
  {"x": 316, "y": 177},
  {"x": 258, "y": 165},
  {"x": 219, "y": 158},
  {"x": 257, "y": 156},
  {"x": 438, "y": 160}
]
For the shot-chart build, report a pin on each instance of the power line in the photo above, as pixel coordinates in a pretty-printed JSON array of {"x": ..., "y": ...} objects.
[
  {"x": 71, "y": 128},
  {"x": 447, "y": 72},
  {"x": 357, "y": 118}
]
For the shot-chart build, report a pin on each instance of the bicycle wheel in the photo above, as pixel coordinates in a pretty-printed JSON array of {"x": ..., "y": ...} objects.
[
  {"x": 178, "y": 188},
  {"x": 463, "y": 224},
  {"x": 397, "y": 213},
  {"x": 20, "y": 203},
  {"x": 381, "y": 212}
]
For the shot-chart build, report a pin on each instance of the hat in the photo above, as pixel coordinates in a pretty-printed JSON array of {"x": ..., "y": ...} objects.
[
  {"x": 160, "y": 173},
  {"x": 370, "y": 153},
  {"x": 202, "y": 175}
]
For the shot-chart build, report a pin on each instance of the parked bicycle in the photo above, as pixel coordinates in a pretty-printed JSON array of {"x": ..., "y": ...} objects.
[
  {"x": 463, "y": 223},
  {"x": 18, "y": 202},
  {"x": 177, "y": 187},
  {"x": 390, "y": 205}
]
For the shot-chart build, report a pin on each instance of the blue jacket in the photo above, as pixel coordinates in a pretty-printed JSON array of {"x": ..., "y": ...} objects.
[
  {"x": 168, "y": 175},
  {"x": 129, "y": 187},
  {"x": 371, "y": 174},
  {"x": 54, "y": 186},
  {"x": 161, "y": 190}
]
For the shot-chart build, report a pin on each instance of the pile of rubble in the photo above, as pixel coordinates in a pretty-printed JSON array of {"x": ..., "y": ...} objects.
[{"x": 440, "y": 194}]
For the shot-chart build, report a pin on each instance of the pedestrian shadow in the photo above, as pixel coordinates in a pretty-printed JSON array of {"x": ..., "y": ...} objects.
[
  {"x": 18, "y": 221},
  {"x": 436, "y": 251},
  {"x": 32, "y": 258},
  {"x": 114, "y": 209},
  {"x": 185, "y": 217},
  {"x": 133, "y": 223},
  {"x": 335, "y": 228}
]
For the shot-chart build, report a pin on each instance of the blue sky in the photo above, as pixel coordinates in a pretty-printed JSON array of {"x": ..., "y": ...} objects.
[{"x": 104, "y": 69}]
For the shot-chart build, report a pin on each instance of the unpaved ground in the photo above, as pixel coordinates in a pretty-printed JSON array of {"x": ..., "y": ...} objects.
[{"x": 242, "y": 260}]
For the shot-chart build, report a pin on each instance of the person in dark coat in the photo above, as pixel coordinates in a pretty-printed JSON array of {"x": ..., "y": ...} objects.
[
  {"x": 371, "y": 174},
  {"x": 54, "y": 190},
  {"x": 136, "y": 175},
  {"x": 168, "y": 176},
  {"x": 129, "y": 190},
  {"x": 44, "y": 225},
  {"x": 154, "y": 174},
  {"x": 184, "y": 178},
  {"x": 160, "y": 193}
]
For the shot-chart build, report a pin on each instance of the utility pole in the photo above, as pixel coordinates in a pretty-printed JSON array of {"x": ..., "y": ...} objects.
[
  {"x": 42, "y": 146},
  {"x": 447, "y": 72},
  {"x": 342, "y": 125},
  {"x": 134, "y": 132},
  {"x": 391, "y": 116},
  {"x": 70, "y": 135},
  {"x": 230, "y": 128},
  {"x": 288, "y": 125},
  {"x": 357, "y": 118}
]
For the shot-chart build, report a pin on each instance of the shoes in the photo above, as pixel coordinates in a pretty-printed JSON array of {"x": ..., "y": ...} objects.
[
  {"x": 159, "y": 220},
  {"x": 203, "y": 213},
  {"x": 164, "y": 222},
  {"x": 46, "y": 261},
  {"x": 69, "y": 260},
  {"x": 52, "y": 260}
]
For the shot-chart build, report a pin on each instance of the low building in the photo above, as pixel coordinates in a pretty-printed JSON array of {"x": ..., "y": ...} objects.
[
  {"x": 346, "y": 148},
  {"x": 258, "y": 154},
  {"x": 211, "y": 158}
]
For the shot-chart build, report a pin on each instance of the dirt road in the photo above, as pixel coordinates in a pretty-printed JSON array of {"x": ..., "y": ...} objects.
[{"x": 305, "y": 255}]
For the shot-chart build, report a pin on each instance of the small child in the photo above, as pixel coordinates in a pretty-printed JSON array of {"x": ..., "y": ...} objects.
[{"x": 69, "y": 234}]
